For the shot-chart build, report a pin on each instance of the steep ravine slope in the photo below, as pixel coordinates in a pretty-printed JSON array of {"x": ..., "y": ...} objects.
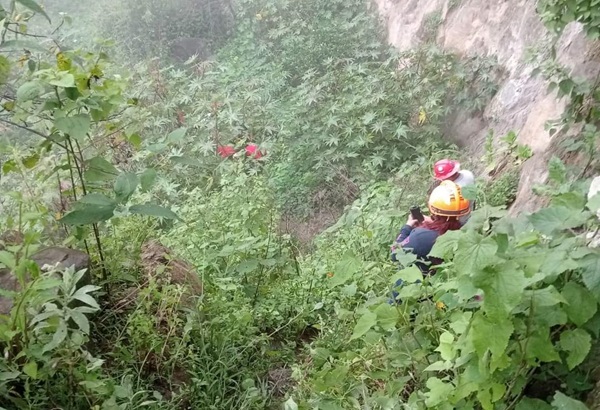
[{"x": 505, "y": 29}]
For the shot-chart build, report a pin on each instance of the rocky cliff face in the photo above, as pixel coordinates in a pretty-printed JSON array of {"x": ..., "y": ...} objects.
[{"x": 506, "y": 29}]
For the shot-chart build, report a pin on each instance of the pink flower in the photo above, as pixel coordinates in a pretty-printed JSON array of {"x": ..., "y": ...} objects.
[
  {"x": 253, "y": 151},
  {"x": 225, "y": 150}
]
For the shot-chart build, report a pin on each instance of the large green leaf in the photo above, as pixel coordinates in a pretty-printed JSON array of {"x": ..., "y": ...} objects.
[
  {"x": 72, "y": 93},
  {"x": 177, "y": 135},
  {"x": 31, "y": 160},
  {"x": 97, "y": 199},
  {"x": 10, "y": 166},
  {"x": 100, "y": 170},
  {"x": 364, "y": 324},
  {"x": 387, "y": 316},
  {"x": 544, "y": 297},
  {"x": 503, "y": 286},
  {"x": 590, "y": 264},
  {"x": 550, "y": 220},
  {"x": 247, "y": 266},
  {"x": 562, "y": 402},
  {"x": 577, "y": 343},
  {"x": 81, "y": 320},
  {"x": 581, "y": 305},
  {"x": 345, "y": 269},
  {"x": 150, "y": 209},
  {"x": 447, "y": 346},
  {"x": 76, "y": 126},
  {"x": 438, "y": 392},
  {"x": 125, "y": 186},
  {"x": 290, "y": 404},
  {"x": 64, "y": 80},
  {"x": 593, "y": 204},
  {"x": 82, "y": 294},
  {"x": 540, "y": 347},
  {"x": 570, "y": 200},
  {"x": 555, "y": 263},
  {"x": 89, "y": 214},
  {"x": 411, "y": 274},
  {"x": 482, "y": 327},
  {"x": 445, "y": 245},
  {"x": 33, "y": 6},
  {"x": 29, "y": 90},
  {"x": 147, "y": 179},
  {"x": 533, "y": 404},
  {"x": 474, "y": 253}
]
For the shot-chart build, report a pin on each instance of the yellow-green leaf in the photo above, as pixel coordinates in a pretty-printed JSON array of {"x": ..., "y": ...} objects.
[
  {"x": 30, "y": 369},
  {"x": 364, "y": 324}
]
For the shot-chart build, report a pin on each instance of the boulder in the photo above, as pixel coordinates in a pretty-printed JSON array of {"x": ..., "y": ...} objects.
[
  {"x": 158, "y": 262},
  {"x": 184, "y": 48},
  {"x": 159, "y": 265},
  {"x": 65, "y": 257}
]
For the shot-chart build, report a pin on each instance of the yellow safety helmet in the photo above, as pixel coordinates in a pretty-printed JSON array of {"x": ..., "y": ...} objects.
[{"x": 447, "y": 200}]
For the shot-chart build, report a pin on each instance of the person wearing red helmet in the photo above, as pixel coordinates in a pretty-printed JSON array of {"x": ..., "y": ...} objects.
[{"x": 449, "y": 170}]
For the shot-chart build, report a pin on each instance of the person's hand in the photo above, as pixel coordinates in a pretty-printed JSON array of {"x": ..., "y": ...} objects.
[{"x": 412, "y": 222}]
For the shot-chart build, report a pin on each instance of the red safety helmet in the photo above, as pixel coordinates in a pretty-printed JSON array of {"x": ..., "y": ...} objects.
[{"x": 445, "y": 168}]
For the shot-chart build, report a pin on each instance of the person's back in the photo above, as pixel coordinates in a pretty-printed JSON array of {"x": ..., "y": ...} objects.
[
  {"x": 464, "y": 178},
  {"x": 418, "y": 241}
]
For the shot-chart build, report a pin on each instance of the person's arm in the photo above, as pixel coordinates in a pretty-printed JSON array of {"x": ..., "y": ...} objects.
[
  {"x": 403, "y": 237},
  {"x": 404, "y": 233}
]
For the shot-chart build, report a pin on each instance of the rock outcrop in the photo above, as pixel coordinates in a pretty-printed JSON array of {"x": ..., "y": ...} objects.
[
  {"x": 507, "y": 30},
  {"x": 186, "y": 47},
  {"x": 64, "y": 257},
  {"x": 160, "y": 265}
]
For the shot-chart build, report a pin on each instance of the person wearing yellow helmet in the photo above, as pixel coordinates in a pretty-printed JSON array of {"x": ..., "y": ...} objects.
[
  {"x": 450, "y": 170},
  {"x": 446, "y": 205}
]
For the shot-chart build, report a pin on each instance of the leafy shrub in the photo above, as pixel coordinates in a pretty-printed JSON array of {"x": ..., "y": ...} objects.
[
  {"x": 503, "y": 190},
  {"x": 334, "y": 109},
  {"x": 44, "y": 344},
  {"x": 148, "y": 28},
  {"x": 535, "y": 276},
  {"x": 556, "y": 14}
]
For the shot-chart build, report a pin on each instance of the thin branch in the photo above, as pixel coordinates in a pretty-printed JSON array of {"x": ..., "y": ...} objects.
[
  {"x": 26, "y": 34},
  {"x": 59, "y": 26},
  {"x": 46, "y": 137}
]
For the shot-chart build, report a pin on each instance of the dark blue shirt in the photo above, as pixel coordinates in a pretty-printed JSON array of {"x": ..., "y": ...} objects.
[{"x": 419, "y": 241}]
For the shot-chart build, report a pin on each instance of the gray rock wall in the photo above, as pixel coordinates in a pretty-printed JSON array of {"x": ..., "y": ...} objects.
[{"x": 505, "y": 29}]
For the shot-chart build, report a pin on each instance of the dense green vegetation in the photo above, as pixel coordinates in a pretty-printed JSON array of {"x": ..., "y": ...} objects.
[{"x": 105, "y": 147}]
